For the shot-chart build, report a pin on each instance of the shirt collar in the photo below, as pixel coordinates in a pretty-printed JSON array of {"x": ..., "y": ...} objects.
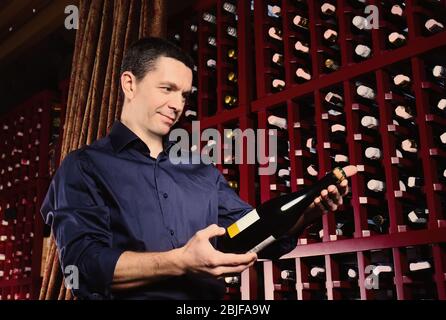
[{"x": 121, "y": 136}]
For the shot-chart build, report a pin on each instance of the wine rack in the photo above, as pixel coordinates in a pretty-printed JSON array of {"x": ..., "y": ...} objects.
[
  {"x": 344, "y": 93},
  {"x": 29, "y": 139}
]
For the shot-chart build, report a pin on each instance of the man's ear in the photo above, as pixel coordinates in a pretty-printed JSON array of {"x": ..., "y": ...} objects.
[{"x": 128, "y": 84}]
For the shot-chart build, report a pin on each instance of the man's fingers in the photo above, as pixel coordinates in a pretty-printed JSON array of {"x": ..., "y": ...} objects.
[
  {"x": 343, "y": 188},
  {"x": 211, "y": 231},
  {"x": 232, "y": 259},
  {"x": 218, "y": 271},
  {"x": 334, "y": 194},
  {"x": 318, "y": 203},
  {"x": 326, "y": 201}
]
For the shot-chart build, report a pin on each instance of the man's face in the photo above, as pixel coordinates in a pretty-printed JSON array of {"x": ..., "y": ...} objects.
[{"x": 159, "y": 98}]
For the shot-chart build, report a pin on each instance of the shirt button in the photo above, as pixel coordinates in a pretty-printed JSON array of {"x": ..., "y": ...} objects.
[
  {"x": 165, "y": 196},
  {"x": 172, "y": 232}
]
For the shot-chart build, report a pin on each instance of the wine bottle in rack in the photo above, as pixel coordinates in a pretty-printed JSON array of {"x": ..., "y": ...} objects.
[
  {"x": 275, "y": 33},
  {"x": 418, "y": 216},
  {"x": 212, "y": 41},
  {"x": 334, "y": 99},
  {"x": 439, "y": 72},
  {"x": 231, "y": 31},
  {"x": 328, "y": 9},
  {"x": 288, "y": 275},
  {"x": 409, "y": 145},
  {"x": 378, "y": 223},
  {"x": 331, "y": 36},
  {"x": 208, "y": 17},
  {"x": 365, "y": 92},
  {"x": 360, "y": 23},
  {"x": 277, "y": 217},
  {"x": 441, "y": 105},
  {"x": 278, "y": 84},
  {"x": 232, "y": 77},
  {"x": 369, "y": 122},
  {"x": 274, "y": 11},
  {"x": 363, "y": 51},
  {"x": 404, "y": 112},
  {"x": 401, "y": 80},
  {"x": 317, "y": 272},
  {"x": 193, "y": 28},
  {"x": 277, "y": 59},
  {"x": 420, "y": 266},
  {"x": 232, "y": 54},
  {"x": 230, "y": 101},
  {"x": 301, "y": 22},
  {"x": 302, "y": 47},
  {"x": 278, "y": 122},
  {"x": 232, "y": 280},
  {"x": 211, "y": 63},
  {"x": 397, "y": 39},
  {"x": 230, "y": 8},
  {"x": 397, "y": 10},
  {"x": 376, "y": 185},
  {"x": 303, "y": 74},
  {"x": 434, "y": 26},
  {"x": 331, "y": 64}
]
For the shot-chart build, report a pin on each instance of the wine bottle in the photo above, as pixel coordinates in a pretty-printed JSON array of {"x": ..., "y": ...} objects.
[
  {"x": 231, "y": 31},
  {"x": 230, "y": 101},
  {"x": 328, "y": 9},
  {"x": 288, "y": 275},
  {"x": 401, "y": 80},
  {"x": 317, "y": 272},
  {"x": 232, "y": 54},
  {"x": 360, "y": 23},
  {"x": 409, "y": 145},
  {"x": 229, "y": 7},
  {"x": 442, "y": 105},
  {"x": 301, "y": 22},
  {"x": 369, "y": 122},
  {"x": 232, "y": 280},
  {"x": 209, "y": 18},
  {"x": 418, "y": 216},
  {"x": 434, "y": 26},
  {"x": 439, "y": 72},
  {"x": 404, "y": 112},
  {"x": 397, "y": 39},
  {"x": 366, "y": 92},
  {"x": 375, "y": 185},
  {"x": 302, "y": 47},
  {"x": 274, "y": 11},
  {"x": 277, "y": 217},
  {"x": 334, "y": 99},
  {"x": 420, "y": 266},
  {"x": 275, "y": 33},
  {"x": 278, "y": 84},
  {"x": 363, "y": 51},
  {"x": 331, "y": 35},
  {"x": 302, "y": 73},
  {"x": 277, "y": 58}
]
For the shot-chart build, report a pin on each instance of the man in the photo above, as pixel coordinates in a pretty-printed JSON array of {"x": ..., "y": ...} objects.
[{"x": 135, "y": 225}]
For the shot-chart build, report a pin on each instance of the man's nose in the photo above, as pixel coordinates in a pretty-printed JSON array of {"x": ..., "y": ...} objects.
[{"x": 176, "y": 102}]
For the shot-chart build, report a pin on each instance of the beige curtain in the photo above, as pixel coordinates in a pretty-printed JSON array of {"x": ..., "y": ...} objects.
[{"x": 106, "y": 28}]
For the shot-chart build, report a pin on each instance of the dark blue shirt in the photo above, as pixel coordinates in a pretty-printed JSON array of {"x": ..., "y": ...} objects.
[{"x": 112, "y": 197}]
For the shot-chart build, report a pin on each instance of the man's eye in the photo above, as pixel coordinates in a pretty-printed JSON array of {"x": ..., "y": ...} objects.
[{"x": 166, "y": 89}]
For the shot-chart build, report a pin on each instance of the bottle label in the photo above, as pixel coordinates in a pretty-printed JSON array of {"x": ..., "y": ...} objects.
[
  {"x": 243, "y": 223},
  {"x": 263, "y": 244}
]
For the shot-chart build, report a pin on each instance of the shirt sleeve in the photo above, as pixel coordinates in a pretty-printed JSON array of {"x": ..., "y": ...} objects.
[
  {"x": 74, "y": 208},
  {"x": 231, "y": 208}
]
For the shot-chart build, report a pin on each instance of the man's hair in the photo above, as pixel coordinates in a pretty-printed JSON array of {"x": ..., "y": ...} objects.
[{"x": 141, "y": 56}]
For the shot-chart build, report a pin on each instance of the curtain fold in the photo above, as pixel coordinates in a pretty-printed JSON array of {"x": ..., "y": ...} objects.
[{"x": 106, "y": 29}]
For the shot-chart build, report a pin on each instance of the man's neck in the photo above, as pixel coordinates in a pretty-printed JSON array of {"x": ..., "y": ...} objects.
[{"x": 153, "y": 142}]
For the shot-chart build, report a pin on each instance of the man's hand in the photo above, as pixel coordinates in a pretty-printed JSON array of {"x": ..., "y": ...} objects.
[
  {"x": 329, "y": 200},
  {"x": 199, "y": 256}
]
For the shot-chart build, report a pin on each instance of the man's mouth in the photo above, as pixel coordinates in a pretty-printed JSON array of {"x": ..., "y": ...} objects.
[{"x": 169, "y": 118}]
